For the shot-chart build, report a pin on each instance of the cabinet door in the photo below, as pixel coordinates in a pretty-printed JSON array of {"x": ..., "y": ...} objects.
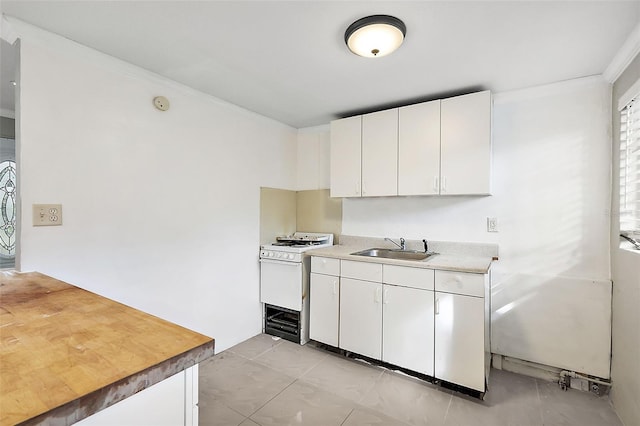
[
  {"x": 361, "y": 317},
  {"x": 346, "y": 140},
  {"x": 380, "y": 153},
  {"x": 459, "y": 340},
  {"x": 407, "y": 328},
  {"x": 324, "y": 309},
  {"x": 419, "y": 149},
  {"x": 466, "y": 144}
]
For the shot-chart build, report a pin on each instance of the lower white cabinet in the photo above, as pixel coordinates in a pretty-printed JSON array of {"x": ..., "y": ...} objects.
[
  {"x": 460, "y": 340},
  {"x": 324, "y": 308},
  {"x": 432, "y": 322},
  {"x": 407, "y": 328},
  {"x": 361, "y": 317}
]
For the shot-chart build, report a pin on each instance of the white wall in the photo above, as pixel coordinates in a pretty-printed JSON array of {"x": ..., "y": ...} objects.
[
  {"x": 551, "y": 195},
  {"x": 313, "y": 158},
  {"x": 160, "y": 209}
]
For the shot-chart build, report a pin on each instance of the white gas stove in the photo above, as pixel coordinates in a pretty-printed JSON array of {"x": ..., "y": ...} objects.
[
  {"x": 284, "y": 284},
  {"x": 290, "y": 248}
]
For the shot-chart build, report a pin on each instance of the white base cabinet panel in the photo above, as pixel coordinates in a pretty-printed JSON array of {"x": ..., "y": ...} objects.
[
  {"x": 407, "y": 331},
  {"x": 172, "y": 402},
  {"x": 460, "y": 340},
  {"x": 325, "y": 308},
  {"x": 361, "y": 317}
]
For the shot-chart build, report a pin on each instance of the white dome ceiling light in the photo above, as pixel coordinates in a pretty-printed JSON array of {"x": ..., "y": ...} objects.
[{"x": 375, "y": 36}]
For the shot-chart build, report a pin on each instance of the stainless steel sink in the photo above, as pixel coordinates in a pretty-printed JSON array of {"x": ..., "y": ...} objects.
[{"x": 394, "y": 254}]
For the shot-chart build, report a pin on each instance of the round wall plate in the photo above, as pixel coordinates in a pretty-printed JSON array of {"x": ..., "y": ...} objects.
[{"x": 161, "y": 103}]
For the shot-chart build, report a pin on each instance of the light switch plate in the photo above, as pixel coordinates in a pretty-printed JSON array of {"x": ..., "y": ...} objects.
[
  {"x": 492, "y": 224},
  {"x": 47, "y": 214}
]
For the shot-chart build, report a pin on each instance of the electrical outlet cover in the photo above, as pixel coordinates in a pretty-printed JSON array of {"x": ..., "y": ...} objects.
[{"x": 47, "y": 214}]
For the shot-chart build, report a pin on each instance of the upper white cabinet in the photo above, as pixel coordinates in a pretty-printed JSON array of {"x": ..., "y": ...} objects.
[
  {"x": 380, "y": 153},
  {"x": 346, "y": 157},
  {"x": 442, "y": 147},
  {"x": 419, "y": 149},
  {"x": 364, "y": 155},
  {"x": 465, "y": 158}
]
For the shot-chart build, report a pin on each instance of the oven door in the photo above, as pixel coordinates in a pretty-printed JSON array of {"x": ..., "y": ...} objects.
[{"x": 281, "y": 283}]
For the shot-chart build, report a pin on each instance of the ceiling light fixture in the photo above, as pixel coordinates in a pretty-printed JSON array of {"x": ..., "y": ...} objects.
[{"x": 375, "y": 36}]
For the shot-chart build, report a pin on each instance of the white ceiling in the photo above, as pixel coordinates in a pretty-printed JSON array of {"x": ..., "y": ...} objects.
[{"x": 287, "y": 59}]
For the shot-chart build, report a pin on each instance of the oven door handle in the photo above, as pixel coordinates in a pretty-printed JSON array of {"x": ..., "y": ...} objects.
[{"x": 279, "y": 262}]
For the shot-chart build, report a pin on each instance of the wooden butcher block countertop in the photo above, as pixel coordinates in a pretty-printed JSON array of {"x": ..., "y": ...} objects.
[{"x": 67, "y": 353}]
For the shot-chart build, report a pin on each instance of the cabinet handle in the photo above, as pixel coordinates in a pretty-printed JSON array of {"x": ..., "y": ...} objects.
[
  {"x": 335, "y": 287},
  {"x": 436, "y": 184},
  {"x": 385, "y": 297},
  {"x": 444, "y": 184},
  {"x": 376, "y": 297},
  {"x": 437, "y": 307}
]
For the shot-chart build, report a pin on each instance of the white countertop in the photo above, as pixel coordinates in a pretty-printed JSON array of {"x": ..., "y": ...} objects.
[{"x": 478, "y": 262}]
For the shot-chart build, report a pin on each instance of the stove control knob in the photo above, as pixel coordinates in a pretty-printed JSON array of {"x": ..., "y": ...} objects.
[
  {"x": 291, "y": 256},
  {"x": 270, "y": 254},
  {"x": 278, "y": 254}
]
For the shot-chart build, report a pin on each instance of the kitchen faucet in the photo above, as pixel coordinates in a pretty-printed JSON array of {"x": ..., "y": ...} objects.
[{"x": 401, "y": 245}]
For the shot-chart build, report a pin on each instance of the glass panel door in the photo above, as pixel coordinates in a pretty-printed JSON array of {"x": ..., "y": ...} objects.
[{"x": 8, "y": 205}]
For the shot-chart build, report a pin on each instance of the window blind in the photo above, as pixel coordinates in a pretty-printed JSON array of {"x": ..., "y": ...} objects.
[{"x": 630, "y": 168}]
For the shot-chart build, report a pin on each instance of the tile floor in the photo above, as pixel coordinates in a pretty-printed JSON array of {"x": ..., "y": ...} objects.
[{"x": 264, "y": 381}]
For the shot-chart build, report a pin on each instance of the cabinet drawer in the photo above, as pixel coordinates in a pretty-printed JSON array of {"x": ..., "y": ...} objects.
[
  {"x": 460, "y": 283},
  {"x": 361, "y": 270},
  {"x": 325, "y": 265},
  {"x": 408, "y": 277}
]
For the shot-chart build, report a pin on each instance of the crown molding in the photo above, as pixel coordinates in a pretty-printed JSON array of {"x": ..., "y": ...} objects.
[{"x": 627, "y": 52}]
